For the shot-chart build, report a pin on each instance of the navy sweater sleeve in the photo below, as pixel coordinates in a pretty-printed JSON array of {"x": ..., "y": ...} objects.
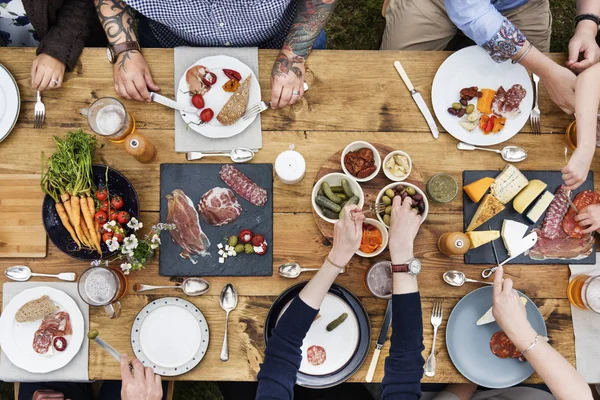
[
  {"x": 404, "y": 365},
  {"x": 277, "y": 375}
]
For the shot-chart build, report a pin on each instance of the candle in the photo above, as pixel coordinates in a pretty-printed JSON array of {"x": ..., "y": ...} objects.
[{"x": 290, "y": 166}]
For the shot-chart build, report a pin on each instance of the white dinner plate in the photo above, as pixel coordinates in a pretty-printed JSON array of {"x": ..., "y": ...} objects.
[
  {"x": 217, "y": 97},
  {"x": 16, "y": 338},
  {"x": 170, "y": 335},
  {"x": 472, "y": 66},
  {"x": 10, "y": 102}
]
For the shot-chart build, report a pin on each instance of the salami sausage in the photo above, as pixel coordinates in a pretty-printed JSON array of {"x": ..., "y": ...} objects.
[
  {"x": 243, "y": 185},
  {"x": 513, "y": 97},
  {"x": 581, "y": 201},
  {"x": 551, "y": 227},
  {"x": 502, "y": 347},
  {"x": 316, "y": 355},
  {"x": 42, "y": 340}
]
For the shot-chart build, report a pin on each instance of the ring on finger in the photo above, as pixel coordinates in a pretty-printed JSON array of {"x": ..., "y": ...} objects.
[
  {"x": 54, "y": 81},
  {"x": 295, "y": 93}
]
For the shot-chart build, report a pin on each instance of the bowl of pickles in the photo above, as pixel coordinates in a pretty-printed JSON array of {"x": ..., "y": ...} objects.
[
  {"x": 402, "y": 189},
  {"x": 334, "y": 191}
]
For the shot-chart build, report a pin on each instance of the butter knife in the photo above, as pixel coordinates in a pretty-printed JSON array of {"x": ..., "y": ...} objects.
[
  {"x": 385, "y": 327},
  {"x": 418, "y": 99},
  {"x": 165, "y": 101}
]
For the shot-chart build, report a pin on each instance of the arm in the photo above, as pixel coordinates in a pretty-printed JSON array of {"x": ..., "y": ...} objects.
[
  {"x": 139, "y": 384},
  {"x": 288, "y": 71},
  {"x": 583, "y": 43}
]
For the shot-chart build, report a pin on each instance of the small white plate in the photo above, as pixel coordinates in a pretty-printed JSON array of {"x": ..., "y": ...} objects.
[
  {"x": 217, "y": 97},
  {"x": 170, "y": 335},
  {"x": 10, "y": 102},
  {"x": 17, "y": 338},
  {"x": 384, "y": 238}
]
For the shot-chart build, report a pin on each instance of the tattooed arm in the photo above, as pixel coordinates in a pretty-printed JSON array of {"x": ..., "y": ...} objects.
[
  {"x": 287, "y": 76},
  {"x": 131, "y": 74}
]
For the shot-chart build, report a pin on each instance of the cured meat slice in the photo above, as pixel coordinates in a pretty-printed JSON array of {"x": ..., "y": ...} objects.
[
  {"x": 59, "y": 324},
  {"x": 243, "y": 185},
  {"x": 194, "y": 76},
  {"x": 42, "y": 340},
  {"x": 506, "y": 102},
  {"x": 551, "y": 227},
  {"x": 581, "y": 201},
  {"x": 562, "y": 247},
  {"x": 188, "y": 234},
  {"x": 316, "y": 355},
  {"x": 502, "y": 347},
  {"x": 219, "y": 206}
]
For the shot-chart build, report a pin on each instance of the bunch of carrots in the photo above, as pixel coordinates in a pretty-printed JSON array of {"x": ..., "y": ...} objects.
[{"x": 67, "y": 177}]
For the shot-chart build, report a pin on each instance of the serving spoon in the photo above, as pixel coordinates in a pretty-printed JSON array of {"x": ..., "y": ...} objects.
[
  {"x": 509, "y": 153},
  {"x": 293, "y": 270},
  {"x": 237, "y": 155},
  {"x": 228, "y": 301},
  {"x": 22, "y": 273},
  {"x": 458, "y": 278},
  {"x": 189, "y": 286}
]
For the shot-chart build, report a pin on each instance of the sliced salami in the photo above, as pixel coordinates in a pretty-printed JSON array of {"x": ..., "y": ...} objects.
[
  {"x": 316, "y": 355},
  {"x": 502, "y": 347},
  {"x": 42, "y": 340},
  {"x": 243, "y": 185},
  {"x": 59, "y": 324},
  {"x": 581, "y": 201},
  {"x": 552, "y": 225},
  {"x": 506, "y": 102}
]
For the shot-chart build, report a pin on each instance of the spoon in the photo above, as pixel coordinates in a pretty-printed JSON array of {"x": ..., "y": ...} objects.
[
  {"x": 458, "y": 278},
  {"x": 228, "y": 301},
  {"x": 22, "y": 273},
  {"x": 509, "y": 153},
  {"x": 190, "y": 286},
  {"x": 238, "y": 155},
  {"x": 293, "y": 270}
]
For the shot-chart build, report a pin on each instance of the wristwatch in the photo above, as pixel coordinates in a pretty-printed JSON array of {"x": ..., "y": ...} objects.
[
  {"x": 412, "y": 267},
  {"x": 112, "y": 52}
]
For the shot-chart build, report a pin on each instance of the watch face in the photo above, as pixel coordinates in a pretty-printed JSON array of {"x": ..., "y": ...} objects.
[
  {"x": 109, "y": 54},
  {"x": 414, "y": 266}
]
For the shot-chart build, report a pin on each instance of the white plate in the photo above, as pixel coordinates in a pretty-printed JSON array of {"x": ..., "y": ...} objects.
[
  {"x": 472, "y": 66},
  {"x": 170, "y": 335},
  {"x": 10, "y": 102},
  {"x": 217, "y": 97},
  {"x": 17, "y": 338}
]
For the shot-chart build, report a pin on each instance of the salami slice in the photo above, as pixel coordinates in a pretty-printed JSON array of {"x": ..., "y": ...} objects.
[
  {"x": 581, "y": 201},
  {"x": 243, "y": 185},
  {"x": 502, "y": 347},
  {"x": 316, "y": 355},
  {"x": 551, "y": 227},
  {"x": 42, "y": 340}
]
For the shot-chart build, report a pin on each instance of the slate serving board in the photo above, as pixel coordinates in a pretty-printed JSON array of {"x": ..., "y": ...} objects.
[
  {"x": 484, "y": 254},
  {"x": 195, "y": 180}
]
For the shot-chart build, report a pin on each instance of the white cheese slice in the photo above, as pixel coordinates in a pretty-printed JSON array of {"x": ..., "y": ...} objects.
[
  {"x": 508, "y": 184},
  {"x": 488, "y": 317},
  {"x": 226, "y": 247},
  {"x": 220, "y": 245},
  {"x": 512, "y": 234},
  {"x": 540, "y": 207},
  {"x": 221, "y": 260},
  {"x": 221, "y": 252}
]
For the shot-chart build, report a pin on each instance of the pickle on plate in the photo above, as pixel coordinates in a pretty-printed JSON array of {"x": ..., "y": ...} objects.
[
  {"x": 352, "y": 200},
  {"x": 324, "y": 202},
  {"x": 329, "y": 194},
  {"x": 346, "y": 187},
  {"x": 330, "y": 214},
  {"x": 336, "y": 322},
  {"x": 337, "y": 189}
]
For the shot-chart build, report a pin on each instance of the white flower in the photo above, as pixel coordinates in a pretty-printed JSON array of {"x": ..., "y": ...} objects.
[
  {"x": 112, "y": 244},
  {"x": 126, "y": 267},
  {"x": 96, "y": 263},
  {"x": 135, "y": 224},
  {"x": 126, "y": 251},
  {"x": 108, "y": 227},
  {"x": 130, "y": 242}
]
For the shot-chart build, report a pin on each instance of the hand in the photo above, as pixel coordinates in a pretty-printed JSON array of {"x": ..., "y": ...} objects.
[
  {"x": 47, "y": 395},
  {"x": 589, "y": 218},
  {"x": 142, "y": 385},
  {"x": 287, "y": 78},
  {"x": 576, "y": 171},
  {"x": 347, "y": 234},
  {"x": 46, "y": 72},
  {"x": 404, "y": 225},
  {"x": 132, "y": 77},
  {"x": 560, "y": 83},
  {"x": 583, "y": 43}
]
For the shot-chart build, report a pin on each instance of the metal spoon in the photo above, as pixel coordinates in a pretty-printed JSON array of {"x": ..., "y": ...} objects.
[
  {"x": 293, "y": 270},
  {"x": 228, "y": 301},
  {"x": 22, "y": 273},
  {"x": 190, "y": 286},
  {"x": 509, "y": 153},
  {"x": 458, "y": 278},
  {"x": 238, "y": 155}
]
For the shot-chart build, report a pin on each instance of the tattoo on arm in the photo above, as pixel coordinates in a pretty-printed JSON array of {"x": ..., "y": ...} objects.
[
  {"x": 117, "y": 22},
  {"x": 283, "y": 65}
]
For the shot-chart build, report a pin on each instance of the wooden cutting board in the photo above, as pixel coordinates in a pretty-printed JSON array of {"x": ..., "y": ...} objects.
[{"x": 21, "y": 229}]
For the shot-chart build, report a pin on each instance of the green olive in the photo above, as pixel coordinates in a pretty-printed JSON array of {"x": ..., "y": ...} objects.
[
  {"x": 233, "y": 241},
  {"x": 470, "y": 108},
  {"x": 390, "y": 193},
  {"x": 386, "y": 219},
  {"x": 411, "y": 190},
  {"x": 456, "y": 105},
  {"x": 93, "y": 334},
  {"x": 388, "y": 210},
  {"x": 386, "y": 200}
]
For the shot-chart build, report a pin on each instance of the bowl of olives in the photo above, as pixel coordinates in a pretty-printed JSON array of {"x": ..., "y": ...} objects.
[{"x": 402, "y": 189}]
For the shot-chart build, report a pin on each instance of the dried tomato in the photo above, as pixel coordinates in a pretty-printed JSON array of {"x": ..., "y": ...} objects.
[{"x": 231, "y": 74}]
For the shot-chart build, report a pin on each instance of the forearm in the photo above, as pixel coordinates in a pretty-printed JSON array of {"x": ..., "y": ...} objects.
[
  {"x": 403, "y": 282},
  {"x": 587, "y": 99},
  {"x": 588, "y": 7},
  {"x": 316, "y": 289},
  {"x": 116, "y": 20},
  {"x": 535, "y": 61}
]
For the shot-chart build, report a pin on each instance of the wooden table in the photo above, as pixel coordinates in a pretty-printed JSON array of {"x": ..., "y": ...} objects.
[{"x": 354, "y": 95}]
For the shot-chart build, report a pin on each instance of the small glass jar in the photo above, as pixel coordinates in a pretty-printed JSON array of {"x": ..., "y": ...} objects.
[{"x": 442, "y": 188}]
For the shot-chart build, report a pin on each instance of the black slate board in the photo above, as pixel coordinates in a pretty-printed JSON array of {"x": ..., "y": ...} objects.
[
  {"x": 197, "y": 179},
  {"x": 484, "y": 254}
]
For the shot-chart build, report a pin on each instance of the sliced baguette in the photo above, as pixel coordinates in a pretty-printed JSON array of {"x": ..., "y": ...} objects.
[{"x": 36, "y": 309}]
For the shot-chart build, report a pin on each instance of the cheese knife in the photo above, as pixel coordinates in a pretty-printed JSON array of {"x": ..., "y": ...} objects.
[
  {"x": 385, "y": 327},
  {"x": 418, "y": 99},
  {"x": 526, "y": 243}
]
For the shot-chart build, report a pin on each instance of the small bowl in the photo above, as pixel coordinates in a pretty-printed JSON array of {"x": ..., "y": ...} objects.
[
  {"x": 437, "y": 200},
  {"x": 384, "y": 236},
  {"x": 335, "y": 179},
  {"x": 394, "y": 185},
  {"x": 357, "y": 146},
  {"x": 388, "y": 173}
]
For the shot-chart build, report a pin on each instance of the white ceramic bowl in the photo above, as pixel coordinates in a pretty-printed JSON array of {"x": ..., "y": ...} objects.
[
  {"x": 356, "y": 146},
  {"x": 384, "y": 236},
  {"x": 393, "y": 185},
  {"x": 335, "y": 179},
  {"x": 388, "y": 173}
]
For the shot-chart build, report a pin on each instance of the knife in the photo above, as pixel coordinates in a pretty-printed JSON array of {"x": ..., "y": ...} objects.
[
  {"x": 526, "y": 243},
  {"x": 418, "y": 99},
  {"x": 165, "y": 101},
  {"x": 385, "y": 327}
]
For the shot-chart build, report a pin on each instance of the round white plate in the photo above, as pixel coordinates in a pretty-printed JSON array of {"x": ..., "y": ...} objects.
[
  {"x": 217, "y": 97},
  {"x": 472, "y": 66},
  {"x": 170, "y": 335},
  {"x": 10, "y": 102},
  {"x": 17, "y": 338}
]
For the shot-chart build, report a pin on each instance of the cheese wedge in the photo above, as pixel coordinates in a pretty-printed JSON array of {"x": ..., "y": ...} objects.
[
  {"x": 508, "y": 184},
  {"x": 476, "y": 190},
  {"x": 488, "y": 317},
  {"x": 479, "y": 238},
  {"x": 488, "y": 208},
  {"x": 512, "y": 233},
  {"x": 540, "y": 207},
  {"x": 528, "y": 195}
]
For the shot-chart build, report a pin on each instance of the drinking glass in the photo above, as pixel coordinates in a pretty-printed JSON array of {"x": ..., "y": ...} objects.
[
  {"x": 378, "y": 280},
  {"x": 584, "y": 292},
  {"x": 103, "y": 287},
  {"x": 109, "y": 118}
]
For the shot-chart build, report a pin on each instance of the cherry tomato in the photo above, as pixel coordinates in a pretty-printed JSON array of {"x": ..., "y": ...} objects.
[
  {"x": 231, "y": 74},
  {"x": 245, "y": 236},
  {"x": 102, "y": 194},
  {"x": 209, "y": 78},
  {"x": 103, "y": 206},
  {"x": 117, "y": 202},
  {"x": 257, "y": 239},
  {"x": 60, "y": 343},
  {"x": 106, "y": 236},
  {"x": 123, "y": 217},
  {"x": 198, "y": 101},
  {"x": 114, "y": 215},
  {"x": 120, "y": 235},
  {"x": 101, "y": 217},
  {"x": 206, "y": 115}
]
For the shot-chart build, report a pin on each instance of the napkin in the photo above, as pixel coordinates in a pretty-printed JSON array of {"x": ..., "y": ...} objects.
[
  {"x": 186, "y": 139},
  {"x": 586, "y": 325},
  {"x": 77, "y": 369}
]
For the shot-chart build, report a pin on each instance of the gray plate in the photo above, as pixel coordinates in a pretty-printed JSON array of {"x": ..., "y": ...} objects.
[{"x": 469, "y": 344}]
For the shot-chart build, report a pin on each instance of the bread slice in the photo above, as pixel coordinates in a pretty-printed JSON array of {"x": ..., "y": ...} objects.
[
  {"x": 235, "y": 107},
  {"x": 36, "y": 309},
  {"x": 488, "y": 208}
]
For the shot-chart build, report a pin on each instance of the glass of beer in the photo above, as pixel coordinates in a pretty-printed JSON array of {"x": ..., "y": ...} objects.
[
  {"x": 109, "y": 118},
  {"x": 584, "y": 292},
  {"x": 378, "y": 280},
  {"x": 103, "y": 287}
]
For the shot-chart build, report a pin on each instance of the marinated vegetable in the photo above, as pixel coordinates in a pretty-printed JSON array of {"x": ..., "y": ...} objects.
[
  {"x": 402, "y": 190},
  {"x": 329, "y": 194},
  {"x": 336, "y": 322},
  {"x": 360, "y": 163},
  {"x": 371, "y": 239}
]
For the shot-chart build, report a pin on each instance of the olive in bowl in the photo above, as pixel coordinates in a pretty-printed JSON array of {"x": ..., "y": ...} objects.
[{"x": 404, "y": 189}]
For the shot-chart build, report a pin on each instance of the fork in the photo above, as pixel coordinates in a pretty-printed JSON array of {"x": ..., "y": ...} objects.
[
  {"x": 437, "y": 314},
  {"x": 255, "y": 110},
  {"x": 39, "y": 112},
  {"x": 377, "y": 208},
  {"x": 534, "y": 117}
]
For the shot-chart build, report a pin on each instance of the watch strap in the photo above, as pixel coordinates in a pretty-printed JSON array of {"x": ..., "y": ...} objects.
[
  {"x": 120, "y": 48},
  {"x": 590, "y": 17},
  {"x": 400, "y": 268}
]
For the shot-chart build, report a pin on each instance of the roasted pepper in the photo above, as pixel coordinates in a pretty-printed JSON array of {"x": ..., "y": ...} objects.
[{"x": 498, "y": 124}]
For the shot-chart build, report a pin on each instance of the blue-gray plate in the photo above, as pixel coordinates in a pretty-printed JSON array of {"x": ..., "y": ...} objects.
[{"x": 469, "y": 344}]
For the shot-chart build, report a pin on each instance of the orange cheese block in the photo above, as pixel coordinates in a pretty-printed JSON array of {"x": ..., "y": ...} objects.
[{"x": 477, "y": 189}]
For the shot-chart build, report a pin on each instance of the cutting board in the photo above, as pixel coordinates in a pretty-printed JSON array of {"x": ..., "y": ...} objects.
[
  {"x": 484, "y": 254},
  {"x": 21, "y": 225},
  {"x": 197, "y": 179}
]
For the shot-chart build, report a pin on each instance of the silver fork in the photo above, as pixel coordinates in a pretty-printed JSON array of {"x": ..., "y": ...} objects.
[
  {"x": 377, "y": 208},
  {"x": 534, "y": 117},
  {"x": 39, "y": 112},
  {"x": 254, "y": 110},
  {"x": 437, "y": 313}
]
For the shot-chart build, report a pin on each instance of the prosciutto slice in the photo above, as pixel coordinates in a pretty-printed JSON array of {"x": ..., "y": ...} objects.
[
  {"x": 58, "y": 323},
  {"x": 188, "y": 234},
  {"x": 219, "y": 206},
  {"x": 562, "y": 247}
]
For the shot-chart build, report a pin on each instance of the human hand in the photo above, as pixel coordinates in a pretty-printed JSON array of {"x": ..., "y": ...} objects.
[
  {"x": 404, "y": 225},
  {"x": 45, "y": 394},
  {"x": 576, "y": 171},
  {"x": 560, "y": 84},
  {"x": 287, "y": 78},
  {"x": 347, "y": 234},
  {"x": 142, "y": 385},
  {"x": 46, "y": 72},
  {"x": 132, "y": 77},
  {"x": 589, "y": 218},
  {"x": 583, "y": 43}
]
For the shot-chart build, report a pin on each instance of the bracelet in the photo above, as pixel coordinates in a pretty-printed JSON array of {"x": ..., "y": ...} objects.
[
  {"x": 334, "y": 264},
  {"x": 532, "y": 345},
  {"x": 591, "y": 17},
  {"x": 518, "y": 60}
]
